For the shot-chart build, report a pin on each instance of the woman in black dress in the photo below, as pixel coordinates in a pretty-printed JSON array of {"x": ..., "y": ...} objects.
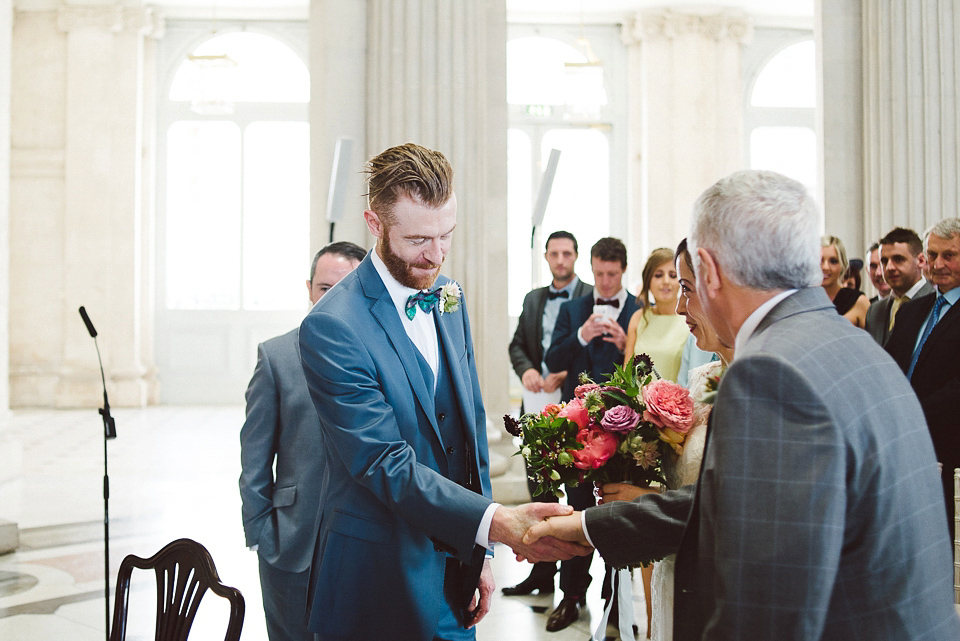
[{"x": 852, "y": 304}]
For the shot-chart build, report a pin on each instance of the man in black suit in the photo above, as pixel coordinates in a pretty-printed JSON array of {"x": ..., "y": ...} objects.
[
  {"x": 590, "y": 336},
  {"x": 902, "y": 261},
  {"x": 530, "y": 342},
  {"x": 925, "y": 343}
]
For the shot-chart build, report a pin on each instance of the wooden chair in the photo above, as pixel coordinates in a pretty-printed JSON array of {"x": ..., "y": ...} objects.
[{"x": 185, "y": 571}]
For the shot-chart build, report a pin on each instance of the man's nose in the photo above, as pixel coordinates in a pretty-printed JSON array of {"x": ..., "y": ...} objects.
[{"x": 434, "y": 251}]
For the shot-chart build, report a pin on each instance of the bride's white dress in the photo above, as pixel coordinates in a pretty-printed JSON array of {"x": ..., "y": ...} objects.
[{"x": 683, "y": 471}]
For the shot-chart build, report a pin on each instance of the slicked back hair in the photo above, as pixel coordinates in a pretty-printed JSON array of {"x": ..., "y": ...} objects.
[
  {"x": 762, "y": 229},
  {"x": 421, "y": 174}
]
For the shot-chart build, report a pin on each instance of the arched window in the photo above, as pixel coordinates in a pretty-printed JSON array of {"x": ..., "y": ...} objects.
[
  {"x": 781, "y": 114},
  {"x": 233, "y": 212},
  {"x": 555, "y": 106},
  {"x": 237, "y": 179}
]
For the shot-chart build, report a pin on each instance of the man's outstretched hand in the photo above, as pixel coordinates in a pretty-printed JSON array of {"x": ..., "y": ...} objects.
[
  {"x": 511, "y": 524},
  {"x": 566, "y": 529}
]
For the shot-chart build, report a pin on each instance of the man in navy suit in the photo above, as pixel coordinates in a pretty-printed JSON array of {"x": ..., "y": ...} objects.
[
  {"x": 590, "y": 336},
  {"x": 282, "y": 432},
  {"x": 406, "y": 515}
]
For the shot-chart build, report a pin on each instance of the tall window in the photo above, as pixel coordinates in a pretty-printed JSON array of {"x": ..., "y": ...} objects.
[
  {"x": 552, "y": 108},
  {"x": 237, "y": 183},
  {"x": 781, "y": 115}
]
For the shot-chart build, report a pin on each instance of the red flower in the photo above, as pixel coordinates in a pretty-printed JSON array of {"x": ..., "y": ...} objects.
[
  {"x": 598, "y": 446},
  {"x": 668, "y": 406},
  {"x": 550, "y": 409},
  {"x": 583, "y": 390},
  {"x": 576, "y": 412}
]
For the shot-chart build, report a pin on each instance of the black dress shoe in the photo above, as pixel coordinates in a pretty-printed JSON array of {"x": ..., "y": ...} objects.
[
  {"x": 566, "y": 613},
  {"x": 528, "y": 585}
]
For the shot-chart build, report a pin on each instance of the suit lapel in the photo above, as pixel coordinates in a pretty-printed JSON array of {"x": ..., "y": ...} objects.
[
  {"x": 383, "y": 309},
  {"x": 943, "y": 327},
  {"x": 447, "y": 327}
]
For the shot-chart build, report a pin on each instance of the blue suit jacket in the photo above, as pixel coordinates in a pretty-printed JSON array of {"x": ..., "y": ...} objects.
[
  {"x": 280, "y": 512},
  {"x": 597, "y": 358},
  {"x": 390, "y": 518}
]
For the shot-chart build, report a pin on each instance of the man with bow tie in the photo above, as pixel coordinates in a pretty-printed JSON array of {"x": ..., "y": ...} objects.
[
  {"x": 590, "y": 336},
  {"x": 405, "y": 516},
  {"x": 530, "y": 342}
]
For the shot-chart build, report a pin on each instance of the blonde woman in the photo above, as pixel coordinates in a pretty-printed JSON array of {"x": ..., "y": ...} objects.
[
  {"x": 852, "y": 304},
  {"x": 656, "y": 329}
]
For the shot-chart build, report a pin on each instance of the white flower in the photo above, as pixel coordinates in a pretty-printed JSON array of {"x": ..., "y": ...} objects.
[{"x": 449, "y": 297}]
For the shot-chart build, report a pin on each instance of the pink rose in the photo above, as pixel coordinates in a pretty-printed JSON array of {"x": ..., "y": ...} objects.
[
  {"x": 576, "y": 412},
  {"x": 598, "y": 446},
  {"x": 583, "y": 390},
  {"x": 620, "y": 419},
  {"x": 669, "y": 406}
]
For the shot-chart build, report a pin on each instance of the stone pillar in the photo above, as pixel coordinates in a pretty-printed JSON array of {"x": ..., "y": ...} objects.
[
  {"x": 338, "y": 31},
  {"x": 6, "y": 22},
  {"x": 911, "y": 122},
  {"x": 78, "y": 209},
  {"x": 436, "y": 74},
  {"x": 686, "y": 116},
  {"x": 840, "y": 122}
]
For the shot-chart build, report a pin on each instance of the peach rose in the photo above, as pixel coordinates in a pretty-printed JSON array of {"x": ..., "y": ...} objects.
[{"x": 669, "y": 406}]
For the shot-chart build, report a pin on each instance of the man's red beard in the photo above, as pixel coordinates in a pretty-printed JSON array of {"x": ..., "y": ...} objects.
[{"x": 402, "y": 270}]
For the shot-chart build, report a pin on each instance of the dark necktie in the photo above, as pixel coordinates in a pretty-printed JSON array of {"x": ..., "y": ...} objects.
[
  {"x": 561, "y": 294},
  {"x": 424, "y": 300},
  {"x": 937, "y": 306},
  {"x": 612, "y": 302}
]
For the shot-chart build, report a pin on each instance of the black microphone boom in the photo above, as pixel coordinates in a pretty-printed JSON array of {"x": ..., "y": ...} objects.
[{"x": 109, "y": 431}]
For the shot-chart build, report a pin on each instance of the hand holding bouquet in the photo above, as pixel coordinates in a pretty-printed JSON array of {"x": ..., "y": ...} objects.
[{"x": 618, "y": 431}]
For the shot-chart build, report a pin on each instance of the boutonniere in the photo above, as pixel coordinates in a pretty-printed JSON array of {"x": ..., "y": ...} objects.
[{"x": 450, "y": 297}]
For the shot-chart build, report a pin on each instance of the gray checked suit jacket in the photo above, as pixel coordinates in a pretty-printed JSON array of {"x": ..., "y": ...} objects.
[
  {"x": 280, "y": 513},
  {"x": 818, "y": 513},
  {"x": 878, "y": 315}
]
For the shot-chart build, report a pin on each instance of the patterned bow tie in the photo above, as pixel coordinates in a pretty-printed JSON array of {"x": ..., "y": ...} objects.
[
  {"x": 561, "y": 294},
  {"x": 613, "y": 302},
  {"x": 424, "y": 300}
]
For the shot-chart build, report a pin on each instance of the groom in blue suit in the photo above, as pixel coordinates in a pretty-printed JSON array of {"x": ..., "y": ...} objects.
[{"x": 406, "y": 515}]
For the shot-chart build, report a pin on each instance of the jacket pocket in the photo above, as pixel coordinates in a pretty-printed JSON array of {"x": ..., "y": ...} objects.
[{"x": 360, "y": 527}]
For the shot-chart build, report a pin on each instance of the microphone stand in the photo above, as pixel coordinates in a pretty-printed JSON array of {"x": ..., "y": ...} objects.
[{"x": 109, "y": 432}]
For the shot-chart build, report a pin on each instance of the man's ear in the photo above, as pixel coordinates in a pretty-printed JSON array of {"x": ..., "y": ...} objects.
[
  {"x": 708, "y": 276},
  {"x": 374, "y": 224},
  {"x": 922, "y": 260}
]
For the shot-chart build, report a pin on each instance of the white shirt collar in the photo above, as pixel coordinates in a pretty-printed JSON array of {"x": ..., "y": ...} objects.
[
  {"x": 398, "y": 293},
  {"x": 912, "y": 292},
  {"x": 753, "y": 321}
]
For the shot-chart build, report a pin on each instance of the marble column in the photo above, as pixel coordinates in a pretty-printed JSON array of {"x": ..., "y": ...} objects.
[
  {"x": 840, "y": 122},
  {"x": 81, "y": 204},
  {"x": 436, "y": 74},
  {"x": 911, "y": 122},
  {"x": 686, "y": 116},
  {"x": 338, "y": 43},
  {"x": 6, "y": 27}
]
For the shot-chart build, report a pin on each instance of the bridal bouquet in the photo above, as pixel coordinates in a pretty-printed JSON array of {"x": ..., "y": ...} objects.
[{"x": 618, "y": 431}]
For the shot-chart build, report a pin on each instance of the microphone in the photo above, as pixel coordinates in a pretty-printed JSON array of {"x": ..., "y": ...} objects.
[
  {"x": 86, "y": 321},
  {"x": 109, "y": 424}
]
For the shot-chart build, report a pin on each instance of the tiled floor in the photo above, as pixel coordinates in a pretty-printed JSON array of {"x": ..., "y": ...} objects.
[{"x": 173, "y": 473}]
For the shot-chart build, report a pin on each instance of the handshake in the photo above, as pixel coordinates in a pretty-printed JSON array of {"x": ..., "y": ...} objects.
[{"x": 540, "y": 532}]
